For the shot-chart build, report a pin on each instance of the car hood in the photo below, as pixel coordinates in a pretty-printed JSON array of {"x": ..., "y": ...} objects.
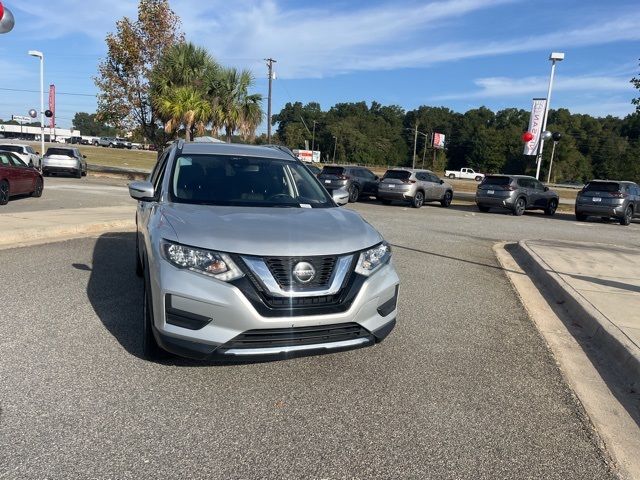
[{"x": 270, "y": 231}]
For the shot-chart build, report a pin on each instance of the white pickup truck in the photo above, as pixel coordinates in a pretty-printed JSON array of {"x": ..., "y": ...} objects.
[{"x": 467, "y": 173}]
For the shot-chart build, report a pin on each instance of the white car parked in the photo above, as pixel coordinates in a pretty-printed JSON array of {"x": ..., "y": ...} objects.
[
  {"x": 25, "y": 152},
  {"x": 465, "y": 173}
]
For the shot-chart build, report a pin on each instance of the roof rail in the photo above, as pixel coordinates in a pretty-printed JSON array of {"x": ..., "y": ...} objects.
[{"x": 282, "y": 148}]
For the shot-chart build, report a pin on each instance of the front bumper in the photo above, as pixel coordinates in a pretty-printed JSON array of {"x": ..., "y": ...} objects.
[{"x": 221, "y": 314}]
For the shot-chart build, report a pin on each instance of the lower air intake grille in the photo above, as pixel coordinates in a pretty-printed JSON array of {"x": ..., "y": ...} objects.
[{"x": 286, "y": 337}]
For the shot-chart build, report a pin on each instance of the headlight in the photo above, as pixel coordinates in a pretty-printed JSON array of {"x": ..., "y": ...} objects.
[
  {"x": 214, "y": 264},
  {"x": 374, "y": 258}
]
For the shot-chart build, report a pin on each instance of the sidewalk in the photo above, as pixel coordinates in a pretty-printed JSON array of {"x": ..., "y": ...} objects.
[
  {"x": 27, "y": 228},
  {"x": 599, "y": 285}
]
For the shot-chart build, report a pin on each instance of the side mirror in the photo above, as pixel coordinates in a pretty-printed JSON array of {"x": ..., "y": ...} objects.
[
  {"x": 546, "y": 189},
  {"x": 377, "y": 177},
  {"x": 142, "y": 191},
  {"x": 84, "y": 156},
  {"x": 340, "y": 196},
  {"x": 37, "y": 152},
  {"x": 441, "y": 181}
]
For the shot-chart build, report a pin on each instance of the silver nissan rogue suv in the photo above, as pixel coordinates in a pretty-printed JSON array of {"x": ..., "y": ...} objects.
[{"x": 245, "y": 255}]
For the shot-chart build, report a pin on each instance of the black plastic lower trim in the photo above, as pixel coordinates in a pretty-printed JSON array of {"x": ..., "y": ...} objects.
[
  {"x": 390, "y": 305},
  {"x": 183, "y": 319},
  {"x": 185, "y": 348},
  {"x": 384, "y": 331}
]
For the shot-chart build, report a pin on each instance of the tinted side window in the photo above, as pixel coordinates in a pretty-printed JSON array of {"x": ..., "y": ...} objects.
[
  {"x": 160, "y": 173},
  {"x": 525, "y": 183},
  {"x": 433, "y": 178},
  {"x": 4, "y": 159},
  {"x": 17, "y": 162},
  {"x": 156, "y": 169},
  {"x": 421, "y": 176}
]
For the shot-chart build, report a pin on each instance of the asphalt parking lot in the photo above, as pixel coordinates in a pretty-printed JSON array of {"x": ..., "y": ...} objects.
[{"x": 463, "y": 388}]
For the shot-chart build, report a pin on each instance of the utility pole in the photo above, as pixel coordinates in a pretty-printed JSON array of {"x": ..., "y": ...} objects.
[
  {"x": 313, "y": 137},
  {"x": 415, "y": 145},
  {"x": 334, "y": 148},
  {"x": 424, "y": 152},
  {"x": 270, "y": 62},
  {"x": 433, "y": 162}
]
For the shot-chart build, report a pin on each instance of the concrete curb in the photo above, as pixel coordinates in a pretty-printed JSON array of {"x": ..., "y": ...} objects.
[
  {"x": 30, "y": 236},
  {"x": 603, "y": 333}
]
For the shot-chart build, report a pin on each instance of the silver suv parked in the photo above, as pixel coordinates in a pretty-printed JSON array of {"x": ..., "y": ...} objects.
[
  {"x": 516, "y": 193},
  {"x": 607, "y": 198},
  {"x": 244, "y": 254},
  {"x": 414, "y": 186},
  {"x": 358, "y": 181},
  {"x": 64, "y": 160}
]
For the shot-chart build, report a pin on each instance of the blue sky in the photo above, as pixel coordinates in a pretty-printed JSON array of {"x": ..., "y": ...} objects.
[{"x": 456, "y": 53}]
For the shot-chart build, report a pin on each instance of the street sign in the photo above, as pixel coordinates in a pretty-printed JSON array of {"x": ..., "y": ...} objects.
[{"x": 21, "y": 119}]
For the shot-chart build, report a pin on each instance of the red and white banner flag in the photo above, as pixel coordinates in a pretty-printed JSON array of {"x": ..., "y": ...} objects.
[
  {"x": 52, "y": 105},
  {"x": 535, "y": 125},
  {"x": 438, "y": 140}
]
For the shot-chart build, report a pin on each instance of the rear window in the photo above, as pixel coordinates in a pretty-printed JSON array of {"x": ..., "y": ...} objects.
[
  {"x": 60, "y": 151},
  {"x": 11, "y": 148},
  {"x": 502, "y": 181},
  {"x": 332, "y": 170},
  {"x": 602, "y": 187},
  {"x": 397, "y": 174}
]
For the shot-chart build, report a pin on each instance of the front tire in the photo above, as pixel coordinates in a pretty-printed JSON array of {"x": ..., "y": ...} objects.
[
  {"x": 37, "y": 189},
  {"x": 4, "y": 192},
  {"x": 628, "y": 215},
  {"x": 78, "y": 173},
  {"x": 452, "y": 176},
  {"x": 446, "y": 200},
  {"x": 519, "y": 207},
  {"x": 551, "y": 207},
  {"x": 150, "y": 348},
  {"x": 418, "y": 200},
  {"x": 478, "y": 179},
  {"x": 354, "y": 193},
  {"x": 483, "y": 209}
]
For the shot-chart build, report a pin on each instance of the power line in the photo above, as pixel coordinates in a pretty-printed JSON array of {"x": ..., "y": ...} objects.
[{"x": 57, "y": 93}]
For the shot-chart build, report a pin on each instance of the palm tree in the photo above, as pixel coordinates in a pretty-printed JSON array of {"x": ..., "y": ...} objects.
[
  {"x": 183, "y": 106},
  {"x": 184, "y": 64},
  {"x": 234, "y": 109}
]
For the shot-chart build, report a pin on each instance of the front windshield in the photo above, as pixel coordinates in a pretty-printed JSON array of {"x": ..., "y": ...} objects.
[{"x": 245, "y": 181}]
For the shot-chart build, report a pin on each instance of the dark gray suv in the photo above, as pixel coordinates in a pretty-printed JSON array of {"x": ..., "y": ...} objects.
[
  {"x": 516, "y": 193},
  {"x": 358, "y": 181},
  {"x": 609, "y": 199}
]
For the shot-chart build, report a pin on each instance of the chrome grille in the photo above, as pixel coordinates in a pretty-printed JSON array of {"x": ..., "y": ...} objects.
[{"x": 282, "y": 267}]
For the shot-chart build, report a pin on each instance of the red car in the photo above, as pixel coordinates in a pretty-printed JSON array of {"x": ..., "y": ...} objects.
[{"x": 17, "y": 178}]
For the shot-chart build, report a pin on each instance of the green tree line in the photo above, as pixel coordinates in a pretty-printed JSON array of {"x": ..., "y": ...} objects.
[{"x": 488, "y": 141}]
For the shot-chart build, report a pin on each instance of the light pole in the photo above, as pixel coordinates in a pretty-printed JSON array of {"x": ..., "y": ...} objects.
[
  {"x": 335, "y": 144},
  {"x": 556, "y": 138},
  {"x": 40, "y": 55},
  {"x": 554, "y": 57},
  {"x": 415, "y": 145}
]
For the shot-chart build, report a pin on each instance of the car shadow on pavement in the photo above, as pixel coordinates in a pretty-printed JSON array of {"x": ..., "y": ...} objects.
[{"x": 116, "y": 293}]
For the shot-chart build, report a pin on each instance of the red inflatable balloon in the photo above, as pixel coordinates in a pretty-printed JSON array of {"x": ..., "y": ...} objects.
[
  {"x": 527, "y": 136},
  {"x": 1, "y": 11}
]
